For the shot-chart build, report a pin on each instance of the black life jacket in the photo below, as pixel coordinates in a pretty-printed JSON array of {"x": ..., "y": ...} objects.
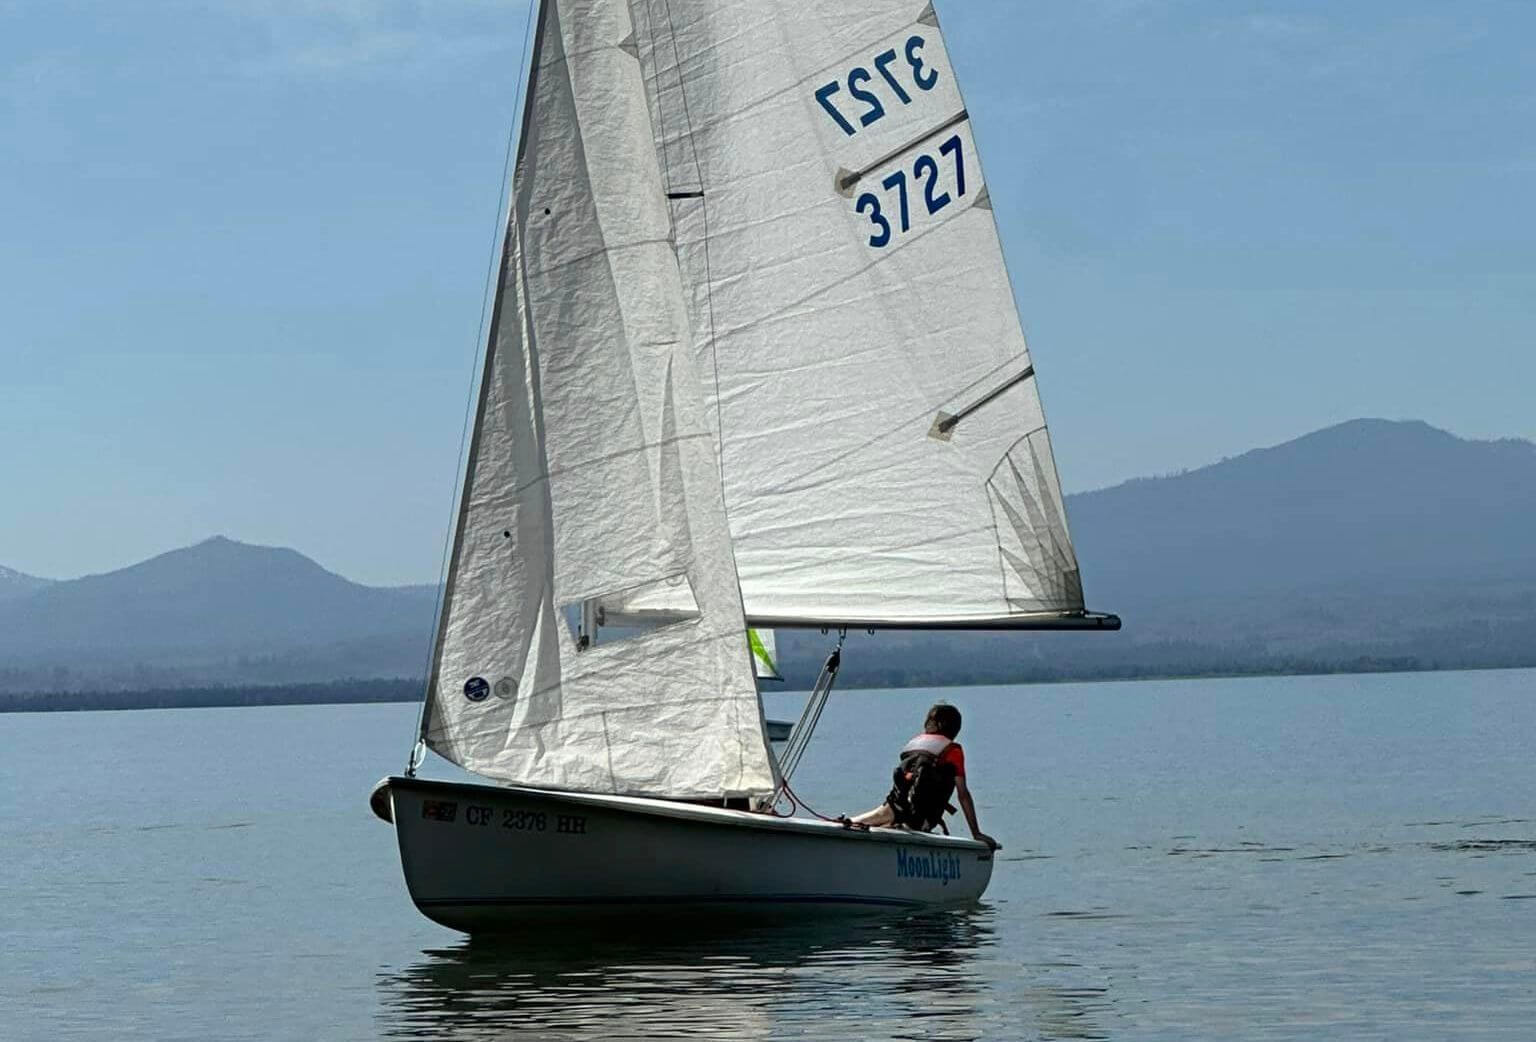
[{"x": 921, "y": 783}]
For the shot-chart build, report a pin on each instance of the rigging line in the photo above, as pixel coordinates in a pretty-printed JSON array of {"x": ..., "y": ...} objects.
[
  {"x": 709, "y": 277},
  {"x": 661, "y": 112},
  {"x": 800, "y": 737},
  {"x": 682, "y": 93},
  {"x": 503, "y": 201},
  {"x": 796, "y": 802}
]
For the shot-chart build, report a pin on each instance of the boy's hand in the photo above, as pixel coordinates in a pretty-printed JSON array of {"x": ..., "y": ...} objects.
[{"x": 989, "y": 841}]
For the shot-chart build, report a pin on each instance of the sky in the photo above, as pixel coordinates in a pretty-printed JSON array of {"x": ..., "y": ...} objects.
[{"x": 244, "y": 243}]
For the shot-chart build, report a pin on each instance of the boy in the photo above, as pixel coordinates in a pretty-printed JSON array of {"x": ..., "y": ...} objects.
[{"x": 932, "y": 766}]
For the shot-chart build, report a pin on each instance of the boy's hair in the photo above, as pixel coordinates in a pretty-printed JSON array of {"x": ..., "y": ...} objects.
[{"x": 943, "y": 719}]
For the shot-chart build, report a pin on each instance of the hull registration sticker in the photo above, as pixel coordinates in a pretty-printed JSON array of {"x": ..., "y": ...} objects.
[{"x": 439, "y": 810}]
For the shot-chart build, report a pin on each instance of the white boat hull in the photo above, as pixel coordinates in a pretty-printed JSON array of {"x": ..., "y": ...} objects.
[{"x": 483, "y": 858}]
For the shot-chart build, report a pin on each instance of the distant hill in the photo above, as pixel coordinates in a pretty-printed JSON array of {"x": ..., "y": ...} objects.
[
  {"x": 15, "y": 584},
  {"x": 1369, "y": 545},
  {"x": 217, "y": 612},
  {"x": 1358, "y": 505}
]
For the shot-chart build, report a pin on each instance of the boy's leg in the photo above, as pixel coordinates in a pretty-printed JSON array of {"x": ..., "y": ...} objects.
[{"x": 879, "y": 817}]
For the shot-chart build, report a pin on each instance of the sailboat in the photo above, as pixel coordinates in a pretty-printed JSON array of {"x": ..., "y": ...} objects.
[{"x": 754, "y": 362}]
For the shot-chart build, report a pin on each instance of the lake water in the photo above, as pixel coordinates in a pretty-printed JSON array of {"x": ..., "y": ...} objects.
[{"x": 1290, "y": 858}]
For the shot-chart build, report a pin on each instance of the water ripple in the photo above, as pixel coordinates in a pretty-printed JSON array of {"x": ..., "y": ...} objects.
[{"x": 915, "y": 977}]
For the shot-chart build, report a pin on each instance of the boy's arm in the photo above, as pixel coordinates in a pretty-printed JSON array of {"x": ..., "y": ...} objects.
[{"x": 968, "y": 805}]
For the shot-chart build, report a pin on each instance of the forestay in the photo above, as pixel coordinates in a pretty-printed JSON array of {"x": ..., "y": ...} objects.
[
  {"x": 884, "y": 452},
  {"x": 593, "y": 472}
]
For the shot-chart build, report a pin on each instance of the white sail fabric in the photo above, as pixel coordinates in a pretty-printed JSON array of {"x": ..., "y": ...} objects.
[
  {"x": 593, "y": 471},
  {"x": 884, "y": 453}
]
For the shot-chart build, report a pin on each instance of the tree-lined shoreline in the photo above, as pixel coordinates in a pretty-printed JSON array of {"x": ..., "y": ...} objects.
[
  {"x": 397, "y": 690},
  {"x": 344, "y": 692}
]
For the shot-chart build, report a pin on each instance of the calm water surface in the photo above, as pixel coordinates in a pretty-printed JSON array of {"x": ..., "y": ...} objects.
[{"x": 1298, "y": 858}]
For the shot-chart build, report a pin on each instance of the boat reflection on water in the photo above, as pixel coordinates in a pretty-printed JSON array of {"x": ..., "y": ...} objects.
[
  {"x": 844, "y": 979},
  {"x": 929, "y": 976}
]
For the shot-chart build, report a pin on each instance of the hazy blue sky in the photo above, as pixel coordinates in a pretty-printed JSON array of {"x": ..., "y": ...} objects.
[{"x": 243, "y": 243}]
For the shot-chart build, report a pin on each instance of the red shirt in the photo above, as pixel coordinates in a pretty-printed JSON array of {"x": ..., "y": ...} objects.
[{"x": 955, "y": 755}]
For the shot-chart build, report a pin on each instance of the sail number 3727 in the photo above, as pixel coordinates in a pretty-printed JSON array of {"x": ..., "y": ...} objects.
[
  {"x": 891, "y": 214},
  {"x": 871, "y": 104}
]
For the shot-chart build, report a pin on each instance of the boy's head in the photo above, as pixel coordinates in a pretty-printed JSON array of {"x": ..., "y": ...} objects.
[{"x": 943, "y": 719}]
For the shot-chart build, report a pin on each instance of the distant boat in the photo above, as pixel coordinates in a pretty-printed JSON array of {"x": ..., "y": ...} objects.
[{"x": 754, "y": 362}]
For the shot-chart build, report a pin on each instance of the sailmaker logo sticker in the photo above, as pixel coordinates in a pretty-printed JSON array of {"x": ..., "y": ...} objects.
[{"x": 476, "y": 689}]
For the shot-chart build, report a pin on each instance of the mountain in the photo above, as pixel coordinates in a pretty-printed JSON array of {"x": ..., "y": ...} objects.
[
  {"x": 1369, "y": 545},
  {"x": 217, "y": 612},
  {"x": 1360, "y": 505},
  {"x": 15, "y": 584}
]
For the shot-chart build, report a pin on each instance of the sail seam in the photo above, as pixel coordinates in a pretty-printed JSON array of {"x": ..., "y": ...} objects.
[
  {"x": 709, "y": 279},
  {"x": 791, "y": 308},
  {"x": 605, "y": 251},
  {"x": 649, "y": 446},
  {"x": 567, "y": 57},
  {"x": 949, "y": 536}
]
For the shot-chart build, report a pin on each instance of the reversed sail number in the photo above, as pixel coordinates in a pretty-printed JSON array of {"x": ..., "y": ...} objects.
[
  {"x": 921, "y": 75},
  {"x": 925, "y": 176}
]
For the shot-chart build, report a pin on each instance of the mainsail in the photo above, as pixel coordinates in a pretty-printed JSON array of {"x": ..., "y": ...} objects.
[
  {"x": 884, "y": 454},
  {"x": 593, "y": 472}
]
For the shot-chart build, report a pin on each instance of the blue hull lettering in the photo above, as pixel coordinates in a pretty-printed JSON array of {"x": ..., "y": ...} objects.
[{"x": 931, "y": 865}]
